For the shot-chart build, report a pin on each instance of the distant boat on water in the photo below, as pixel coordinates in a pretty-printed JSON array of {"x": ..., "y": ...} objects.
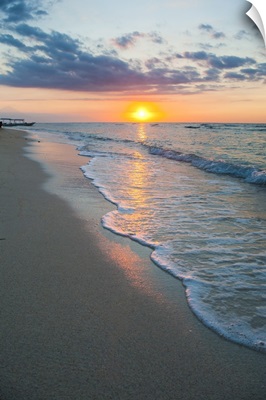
[
  {"x": 10, "y": 122},
  {"x": 192, "y": 126}
]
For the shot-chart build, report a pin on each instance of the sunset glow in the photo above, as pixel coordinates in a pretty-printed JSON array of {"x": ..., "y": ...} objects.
[
  {"x": 143, "y": 112},
  {"x": 135, "y": 71}
]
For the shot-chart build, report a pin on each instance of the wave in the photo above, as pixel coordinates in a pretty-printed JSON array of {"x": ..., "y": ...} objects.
[
  {"x": 237, "y": 127},
  {"x": 95, "y": 153},
  {"x": 78, "y": 135},
  {"x": 195, "y": 285},
  {"x": 249, "y": 174}
]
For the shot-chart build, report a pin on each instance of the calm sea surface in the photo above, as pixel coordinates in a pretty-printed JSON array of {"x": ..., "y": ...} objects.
[{"x": 195, "y": 194}]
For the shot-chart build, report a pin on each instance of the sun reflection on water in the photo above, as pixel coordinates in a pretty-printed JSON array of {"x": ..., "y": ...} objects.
[{"x": 141, "y": 133}]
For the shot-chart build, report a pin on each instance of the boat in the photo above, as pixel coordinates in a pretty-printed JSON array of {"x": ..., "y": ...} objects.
[
  {"x": 192, "y": 126},
  {"x": 10, "y": 122}
]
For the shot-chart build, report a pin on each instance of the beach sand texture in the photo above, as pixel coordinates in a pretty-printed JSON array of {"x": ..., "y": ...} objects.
[{"x": 84, "y": 313}]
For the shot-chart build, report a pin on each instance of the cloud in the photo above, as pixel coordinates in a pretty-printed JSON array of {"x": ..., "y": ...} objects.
[
  {"x": 227, "y": 68},
  {"x": 208, "y": 46},
  {"x": 261, "y": 70},
  {"x": 197, "y": 55},
  {"x": 130, "y": 39},
  {"x": 242, "y": 34},
  {"x": 212, "y": 74},
  {"x": 235, "y": 76},
  {"x": 211, "y": 31},
  {"x": 52, "y": 43},
  {"x": 156, "y": 38},
  {"x": 206, "y": 27},
  {"x": 31, "y": 32},
  {"x": 11, "y": 41},
  {"x": 230, "y": 62},
  {"x": 152, "y": 63},
  {"x": 127, "y": 40},
  {"x": 87, "y": 72},
  {"x": 57, "y": 61},
  {"x": 219, "y": 62},
  {"x": 20, "y": 10}
]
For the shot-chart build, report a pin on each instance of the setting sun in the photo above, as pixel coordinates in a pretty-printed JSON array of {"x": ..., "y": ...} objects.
[{"x": 143, "y": 112}]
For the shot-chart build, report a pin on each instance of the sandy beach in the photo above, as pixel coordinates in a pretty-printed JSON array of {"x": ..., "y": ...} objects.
[{"x": 84, "y": 313}]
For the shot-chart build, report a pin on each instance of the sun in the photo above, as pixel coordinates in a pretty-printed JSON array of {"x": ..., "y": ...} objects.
[{"x": 143, "y": 112}]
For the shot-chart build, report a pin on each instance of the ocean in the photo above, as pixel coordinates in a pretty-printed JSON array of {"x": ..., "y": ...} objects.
[{"x": 196, "y": 195}]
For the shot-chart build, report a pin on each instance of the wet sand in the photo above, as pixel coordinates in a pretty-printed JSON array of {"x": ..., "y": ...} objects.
[{"x": 84, "y": 313}]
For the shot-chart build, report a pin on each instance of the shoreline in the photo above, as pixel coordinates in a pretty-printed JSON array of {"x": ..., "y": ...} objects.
[{"x": 85, "y": 313}]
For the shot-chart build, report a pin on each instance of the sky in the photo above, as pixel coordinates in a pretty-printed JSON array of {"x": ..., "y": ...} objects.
[{"x": 115, "y": 61}]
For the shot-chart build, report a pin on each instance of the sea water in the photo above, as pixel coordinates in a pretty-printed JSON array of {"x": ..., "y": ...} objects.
[{"x": 196, "y": 195}]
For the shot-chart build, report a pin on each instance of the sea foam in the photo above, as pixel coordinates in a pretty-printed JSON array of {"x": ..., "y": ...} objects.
[{"x": 206, "y": 229}]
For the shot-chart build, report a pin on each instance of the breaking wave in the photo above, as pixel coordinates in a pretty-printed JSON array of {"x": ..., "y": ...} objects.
[{"x": 249, "y": 174}]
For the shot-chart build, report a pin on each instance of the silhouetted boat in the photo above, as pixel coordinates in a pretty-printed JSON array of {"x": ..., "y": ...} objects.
[
  {"x": 10, "y": 122},
  {"x": 192, "y": 126}
]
